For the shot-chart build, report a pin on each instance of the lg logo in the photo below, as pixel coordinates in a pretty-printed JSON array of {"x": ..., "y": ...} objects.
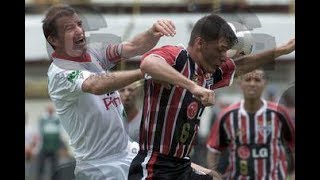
[
  {"x": 245, "y": 152},
  {"x": 260, "y": 153}
]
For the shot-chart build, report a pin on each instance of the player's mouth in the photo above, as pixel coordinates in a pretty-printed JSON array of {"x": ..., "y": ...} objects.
[
  {"x": 252, "y": 91},
  {"x": 80, "y": 41}
]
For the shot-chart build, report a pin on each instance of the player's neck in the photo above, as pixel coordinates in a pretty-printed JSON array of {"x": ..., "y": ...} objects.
[
  {"x": 131, "y": 113},
  {"x": 252, "y": 105}
]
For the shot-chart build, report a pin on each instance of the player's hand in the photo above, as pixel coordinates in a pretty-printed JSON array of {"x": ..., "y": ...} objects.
[
  {"x": 205, "y": 96},
  {"x": 163, "y": 27},
  {"x": 289, "y": 46}
]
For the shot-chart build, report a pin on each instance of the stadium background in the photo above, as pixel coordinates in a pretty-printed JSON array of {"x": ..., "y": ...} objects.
[{"x": 126, "y": 18}]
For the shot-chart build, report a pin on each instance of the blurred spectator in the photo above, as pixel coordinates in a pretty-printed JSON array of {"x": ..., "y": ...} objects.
[
  {"x": 288, "y": 99},
  {"x": 129, "y": 96},
  {"x": 51, "y": 141},
  {"x": 30, "y": 144},
  {"x": 271, "y": 92}
]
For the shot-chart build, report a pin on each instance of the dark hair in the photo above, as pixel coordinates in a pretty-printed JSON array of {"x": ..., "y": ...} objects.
[
  {"x": 212, "y": 27},
  {"x": 55, "y": 12}
]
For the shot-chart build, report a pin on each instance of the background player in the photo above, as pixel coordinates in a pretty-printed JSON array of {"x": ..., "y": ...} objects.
[{"x": 254, "y": 132}]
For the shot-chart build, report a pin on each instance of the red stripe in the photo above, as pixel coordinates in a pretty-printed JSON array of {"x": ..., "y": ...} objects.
[
  {"x": 154, "y": 110},
  {"x": 150, "y": 165},
  {"x": 244, "y": 129},
  {"x": 173, "y": 110},
  {"x": 145, "y": 108},
  {"x": 109, "y": 51}
]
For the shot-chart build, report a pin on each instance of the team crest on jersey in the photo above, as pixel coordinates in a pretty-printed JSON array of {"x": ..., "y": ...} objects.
[
  {"x": 192, "y": 110},
  {"x": 264, "y": 130},
  {"x": 74, "y": 75},
  {"x": 195, "y": 78},
  {"x": 209, "y": 79},
  {"x": 243, "y": 152}
]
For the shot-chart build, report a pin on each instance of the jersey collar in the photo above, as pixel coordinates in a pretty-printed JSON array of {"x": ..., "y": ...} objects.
[{"x": 85, "y": 58}]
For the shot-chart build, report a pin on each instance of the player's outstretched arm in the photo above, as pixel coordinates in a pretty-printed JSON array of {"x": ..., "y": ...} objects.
[
  {"x": 107, "y": 82},
  {"x": 160, "y": 70},
  {"x": 145, "y": 41},
  {"x": 248, "y": 63}
]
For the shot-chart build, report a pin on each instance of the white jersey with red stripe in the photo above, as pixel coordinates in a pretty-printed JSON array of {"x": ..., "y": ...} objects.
[{"x": 95, "y": 123}]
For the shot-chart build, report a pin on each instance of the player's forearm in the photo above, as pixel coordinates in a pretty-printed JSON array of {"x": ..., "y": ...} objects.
[
  {"x": 160, "y": 70},
  {"x": 200, "y": 168},
  {"x": 140, "y": 44},
  {"x": 108, "y": 82},
  {"x": 251, "y": 62},
  {"x": 212, "y": 160}
]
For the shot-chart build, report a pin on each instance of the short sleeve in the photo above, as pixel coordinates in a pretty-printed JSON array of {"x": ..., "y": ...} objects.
[
  {"x": 288, "y": 128},
  {"x": 227, "y": 70},
  {"x": 217, "y": 139},
  {"x": 67, "y": 85},
  {"x": 107, "y": 54},
  {"x": 168, "y": 53}
]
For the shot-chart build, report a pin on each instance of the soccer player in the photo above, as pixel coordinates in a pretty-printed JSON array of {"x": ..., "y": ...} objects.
[
  {"x": 129, "y": 95},
  {"x": 254, "y": 132},
  {"x": 85, "y": 94},
  {"x": 171, "y": 116}
]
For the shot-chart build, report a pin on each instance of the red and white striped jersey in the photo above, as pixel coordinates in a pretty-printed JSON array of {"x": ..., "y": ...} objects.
[
  {"x": 255, "y": 141},
  {"x": 171, "y": 117}
]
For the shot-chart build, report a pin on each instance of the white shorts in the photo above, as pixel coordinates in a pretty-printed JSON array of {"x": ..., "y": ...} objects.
[{"x": 113, "y": 167}]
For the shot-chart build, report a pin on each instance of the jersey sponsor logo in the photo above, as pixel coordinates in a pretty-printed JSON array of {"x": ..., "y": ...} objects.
[
  {"x": 243, "y": 167},
  {"x": 108, "y": 101},
  {"x": 192, "y": 109},
  {"x": 256, "y": 152},
  {"x": 74, "y": 75},
  {"x": 260, "y": 152},
  {"x": 244, "y": 152}
]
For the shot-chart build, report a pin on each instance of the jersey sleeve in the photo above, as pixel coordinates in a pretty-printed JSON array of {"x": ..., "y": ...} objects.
[
  {"x": 67, "y": 85},
  {"x": 288, "y": 128},
  {"x": 107, "y": 54},
  {"x": 217, "y": 139},
  {"x": 168, "y": 53},
  {"x": 227, "y": 70}
]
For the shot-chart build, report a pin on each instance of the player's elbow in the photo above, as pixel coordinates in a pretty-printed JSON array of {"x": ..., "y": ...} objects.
[{"x": 147, "y": 65}]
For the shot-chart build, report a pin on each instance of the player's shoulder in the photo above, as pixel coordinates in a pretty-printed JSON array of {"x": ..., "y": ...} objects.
[
  {"x": 278, "y": 108},
  {"x": 171, "y": 49},
  {"x": 275, "y": 106},
  {"x": 233, "y": 107}
]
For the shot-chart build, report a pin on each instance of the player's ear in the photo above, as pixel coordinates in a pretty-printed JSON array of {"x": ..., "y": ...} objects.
[
  {"x": 52, "y": 40},
  {"x": 198, "y": 43}
]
